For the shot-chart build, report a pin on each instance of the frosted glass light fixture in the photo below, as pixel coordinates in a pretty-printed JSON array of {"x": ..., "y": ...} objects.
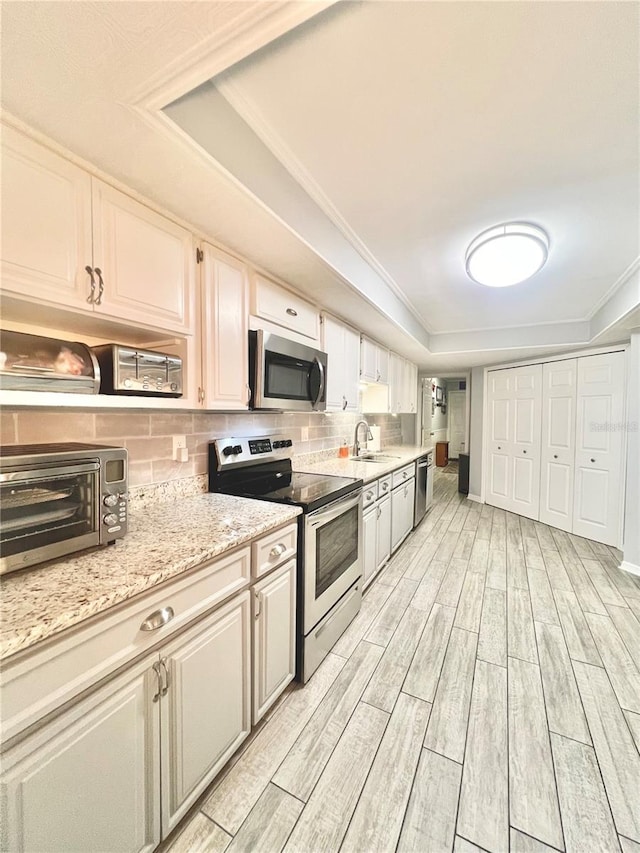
[{"x": 507, "y": 254}]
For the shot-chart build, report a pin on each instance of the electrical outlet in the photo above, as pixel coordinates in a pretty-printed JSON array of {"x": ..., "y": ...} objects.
[{"x": 180, "y": 452}]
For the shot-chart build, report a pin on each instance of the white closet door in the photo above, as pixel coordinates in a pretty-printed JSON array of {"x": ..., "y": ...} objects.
[
  {"x": 500, "y": 414},
  {"x": 598, "y": 485},
  {"x": 558, "y": 443},
  {"x": 527, "y": 416}
]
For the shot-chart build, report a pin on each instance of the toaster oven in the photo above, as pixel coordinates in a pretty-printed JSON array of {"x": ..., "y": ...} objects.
[
  {"x": 59, "y": 498},
  {"x": 138, "y": 372}
]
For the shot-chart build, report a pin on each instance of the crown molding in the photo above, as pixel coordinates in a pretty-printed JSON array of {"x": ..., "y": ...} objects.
[
  {"x": 248, "y": 110},
  {"x": 618, "y": 284},
  {"x": 256, "y": 24}
]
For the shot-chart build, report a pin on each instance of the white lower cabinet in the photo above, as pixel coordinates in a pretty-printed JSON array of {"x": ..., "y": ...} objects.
[
  {"x": 89, "y": 781},
  {"x": 376, "y": 523},
  {"x": 274, "y": 637},
  {"x": 205, "y": 704},
  {"x": 402, "y": 500},
  {"x": 120, "y": 768}
]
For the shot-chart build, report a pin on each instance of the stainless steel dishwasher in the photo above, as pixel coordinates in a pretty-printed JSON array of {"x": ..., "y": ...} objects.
[{"x": 424, "y": 488}]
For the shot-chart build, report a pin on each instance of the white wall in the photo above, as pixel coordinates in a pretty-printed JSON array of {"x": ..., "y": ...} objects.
[
  {"x": 475, "y": 431},
  {"x": 440, "y": 420}
]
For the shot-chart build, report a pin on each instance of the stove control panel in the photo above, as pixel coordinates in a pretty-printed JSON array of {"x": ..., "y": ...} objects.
[{"x": 235, "y": 452}]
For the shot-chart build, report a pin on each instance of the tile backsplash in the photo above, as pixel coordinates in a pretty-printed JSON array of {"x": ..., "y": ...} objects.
[{"x": 148, "y": 435}]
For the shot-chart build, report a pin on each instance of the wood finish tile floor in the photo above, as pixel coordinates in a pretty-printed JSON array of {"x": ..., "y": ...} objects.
[{"x": 487, "y": 697}]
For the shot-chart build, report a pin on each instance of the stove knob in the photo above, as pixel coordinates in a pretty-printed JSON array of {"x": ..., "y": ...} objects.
[
  {"x": 276, "y": 445},
  {"x": 227, "y": 451},
  {"x": 110, "y": 519},
  {"x": 237, "y": 449},
  {"x": 110, "y": 500},
  {"x": 288, "y": 443}
]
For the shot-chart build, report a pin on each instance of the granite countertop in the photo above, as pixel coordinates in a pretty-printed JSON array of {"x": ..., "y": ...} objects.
[
  {"x": 162, "y": 542},
  {"x": 368, "y": 471}
]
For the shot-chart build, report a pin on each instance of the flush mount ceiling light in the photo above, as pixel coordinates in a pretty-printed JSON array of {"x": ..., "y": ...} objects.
[{"x": 507, "y": 254}]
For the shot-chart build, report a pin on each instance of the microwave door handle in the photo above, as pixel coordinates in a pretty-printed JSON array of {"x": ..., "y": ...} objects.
[{"x": 317, "y": 361}]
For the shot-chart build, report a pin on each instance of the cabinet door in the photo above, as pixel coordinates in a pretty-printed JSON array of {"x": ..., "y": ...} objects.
[
  {"x": 368, "y": 360},
  {"x": 383, "y": 531},
  {"x": 369, "y": 540},
  {"x": 412, "y": 387},
  {"x": 557, "y": 452},
  {"x": 207, "y": 712},
  {"x": 600, "y": 411},
  {"x": 333, "y": 341},
  {"x": 382, "y": 361},
  {"x": 280, "y": 306},
  {"x": 146, "y": 262},
  {"x": 395, "y": 383},
  {"x": 88, "y": 780},
  {"x": 351, "y": 369},
  {"x": 225, "y": 309},
  {"x": 46, "y": 223},
  {"x": 274, "y": 637},
  {"x": 398, "y": 516}
]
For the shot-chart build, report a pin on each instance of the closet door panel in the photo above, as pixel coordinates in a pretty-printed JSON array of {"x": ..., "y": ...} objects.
[
  {"x": 501, "y": 420},
  {"x": 558, "y": 443},
  {"x": 527, "y": 393},
  {"x": 599, "y": 432}
]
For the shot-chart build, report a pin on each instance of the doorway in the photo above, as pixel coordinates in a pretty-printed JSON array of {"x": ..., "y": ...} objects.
[{"x": 445, "y": 412}]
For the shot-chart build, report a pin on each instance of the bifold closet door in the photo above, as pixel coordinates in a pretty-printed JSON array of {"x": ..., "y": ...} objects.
[
  {"x": 599, "y": 431},
  {"x": 515, "y": 403},
  {"x": 557, "y": 454}
]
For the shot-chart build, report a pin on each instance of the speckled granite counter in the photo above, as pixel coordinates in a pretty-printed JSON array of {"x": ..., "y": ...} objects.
[
  {"x": 162, "y": 542},
  {"x": 367, "y": 471}
]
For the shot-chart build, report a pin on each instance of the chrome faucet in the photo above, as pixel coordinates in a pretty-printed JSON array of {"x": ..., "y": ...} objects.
[{"x": 356, "y": 443}]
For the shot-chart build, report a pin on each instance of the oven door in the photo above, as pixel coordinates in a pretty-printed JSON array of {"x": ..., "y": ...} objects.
[
  {"x": 47, "y": 512},
  {"x": 285, "y": 374},
  {"x": 332, "y": 555}
]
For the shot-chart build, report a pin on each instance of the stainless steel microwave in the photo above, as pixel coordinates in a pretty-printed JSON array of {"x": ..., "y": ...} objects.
[
  {"x": 59, "y": 498},
  {"x": 286, "y": 375}
]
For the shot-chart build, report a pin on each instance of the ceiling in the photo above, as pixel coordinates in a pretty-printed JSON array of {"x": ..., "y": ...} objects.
[{"x": 355, "y": 150}]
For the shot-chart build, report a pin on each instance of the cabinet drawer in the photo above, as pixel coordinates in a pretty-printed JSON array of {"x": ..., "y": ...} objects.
[
  {"x": 369, "y": 494},
  {"x": 274, "y": 549},
  {"x": 38, "y": 682},
  {"x": 384, "y": 486},
  {"x": 280, "y": 306},
  {"x": 403, "y": 474}
]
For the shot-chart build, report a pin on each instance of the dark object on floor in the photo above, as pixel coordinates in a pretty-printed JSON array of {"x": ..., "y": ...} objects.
[
  {"x": 463, "y": 473},
  {"x": 442, "y": 453}
]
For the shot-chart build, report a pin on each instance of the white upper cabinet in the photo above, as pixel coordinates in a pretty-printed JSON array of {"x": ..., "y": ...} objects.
[
  {"x": 224, "y": 306},
  {"x": 283, "y": 308},
  {"x": 374, "y": 362},
  {"x": 403, "y": 385},
  {"x": 46, "y": 224},
  {"x": 145, "y": 262},
  {"x": 342, "y": 345},
  {"x": 72, "y": 241}
]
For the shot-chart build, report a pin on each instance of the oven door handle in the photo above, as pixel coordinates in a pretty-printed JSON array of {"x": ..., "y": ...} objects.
[
  {"x": 55, "y": 471},
  {"x": 317, "y": 361},
  {"x": 333, "y": 510}
]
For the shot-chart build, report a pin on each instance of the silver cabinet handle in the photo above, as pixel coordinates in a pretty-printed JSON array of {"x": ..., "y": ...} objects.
[
  {"x": 524, "y": 451},
  {"x": 593, "y": 460},
  {"x": 248, "y": 387},
  {"x": 292, "y": 312},
  {"x": 555, "y": 455},
  {"x": 165, "y": 689},
  {"x": 91, "y": 296},
  {"x": 277, "y": 550},
  {"x": 157, "y": 668},
  {"x": 157, "y": 619},
  {"x": 368, "y": 495},
  {"x": 258, "y": 601},
  {"x": 345, "y": 402},
  {"x": 499, "y": 448},
  {"x": 385, "y": 486},
  {"x": 404, "y": 475},
  {"x": 100, "y": 286}
]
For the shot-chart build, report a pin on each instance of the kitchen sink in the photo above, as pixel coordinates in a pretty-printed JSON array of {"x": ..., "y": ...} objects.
[{"x": 370, "y": 457}]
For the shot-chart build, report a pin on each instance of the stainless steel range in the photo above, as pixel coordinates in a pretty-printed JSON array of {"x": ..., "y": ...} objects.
[{"x": 329, "y": 533}]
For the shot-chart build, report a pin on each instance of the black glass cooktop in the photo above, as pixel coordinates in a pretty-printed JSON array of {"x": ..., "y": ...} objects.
[{"x": 273, "y": 482}]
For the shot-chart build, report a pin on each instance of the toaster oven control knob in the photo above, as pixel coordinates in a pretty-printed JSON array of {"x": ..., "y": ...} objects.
[
  {"x": 110, "y": 519},
  {"x": 237, "y": 449},
  {"x": 110, "y": 500}
]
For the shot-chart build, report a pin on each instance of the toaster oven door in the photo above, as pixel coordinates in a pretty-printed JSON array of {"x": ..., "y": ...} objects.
[{"x": 48, "y": 512}]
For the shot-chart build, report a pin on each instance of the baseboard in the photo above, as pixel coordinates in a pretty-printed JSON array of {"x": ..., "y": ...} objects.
[
  {"x": 632, "y": 568},
  {"x": 475, "y": 498}
]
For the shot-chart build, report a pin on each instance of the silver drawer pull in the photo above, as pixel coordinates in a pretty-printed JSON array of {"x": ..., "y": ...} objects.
[
  {"x": 292, "y": 312},
  {"x": 369, "y": 495},
  {"x": 157, "y": 619},
  {"x": 277, "y": 550}
]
